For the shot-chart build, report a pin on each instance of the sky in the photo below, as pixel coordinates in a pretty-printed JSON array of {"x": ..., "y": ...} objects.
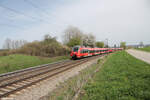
[{"x": 115, "y": 20}]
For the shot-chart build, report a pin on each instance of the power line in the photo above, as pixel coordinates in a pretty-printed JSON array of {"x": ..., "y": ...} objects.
[
  {"x": 18, "y": 12},
  {"x": 15, "y": 11},
  {"x": 39, "y": 8},
  {"x": 21, "y": 13},
  {"x": 35, "y": 6}
]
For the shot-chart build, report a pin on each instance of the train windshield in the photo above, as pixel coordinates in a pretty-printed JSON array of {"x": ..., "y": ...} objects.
[{"x": 75, "y": 49}]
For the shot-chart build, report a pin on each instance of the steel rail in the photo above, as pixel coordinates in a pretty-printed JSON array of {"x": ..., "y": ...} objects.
[
  {"x": 27, "y": 72},
  {"x": 33, "y": 75},
  {"x": 33, "y": 79},
  {"x": 27, "y": 69}
]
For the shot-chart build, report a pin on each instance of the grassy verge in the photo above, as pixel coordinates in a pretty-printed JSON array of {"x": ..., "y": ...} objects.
[
  {"x": 17, "y": 62},
  {"x": 144, "y": 49},
  {"x": 68, "y": 89},
  {"x": 122, "y": 77}
]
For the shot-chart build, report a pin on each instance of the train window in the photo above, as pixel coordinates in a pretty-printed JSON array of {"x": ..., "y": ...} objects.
[
  {"x": 87, "y": 51},
  {"x": 90, "y": 51},
  {"x": 75, "y": 49},
  {"x": 82, "y": 51}
]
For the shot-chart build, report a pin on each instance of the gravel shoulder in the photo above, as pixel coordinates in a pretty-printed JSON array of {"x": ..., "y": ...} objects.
[{"x": 144, "y": 56}]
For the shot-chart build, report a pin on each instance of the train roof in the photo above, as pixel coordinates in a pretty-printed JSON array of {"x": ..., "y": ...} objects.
[{"x": 83, "y": 47}]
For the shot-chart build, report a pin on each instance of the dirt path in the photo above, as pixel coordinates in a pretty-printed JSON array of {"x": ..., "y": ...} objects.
[{"x": 145, "y": 56}]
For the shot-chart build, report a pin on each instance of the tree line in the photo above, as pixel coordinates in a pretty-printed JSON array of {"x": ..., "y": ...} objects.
[
  {"x": 74, "y": 36},
  {"x": 13, "y": 44},
  {"x": 49, "y": 46}
]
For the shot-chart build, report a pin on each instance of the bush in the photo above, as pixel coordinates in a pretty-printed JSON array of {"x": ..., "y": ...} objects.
[
  {"x": 49, "y": 47},
  {"x": 42, "y": 49}
]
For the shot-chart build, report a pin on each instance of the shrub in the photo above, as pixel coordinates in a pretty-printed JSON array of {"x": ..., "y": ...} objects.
[{"x": 47, "y": 48}]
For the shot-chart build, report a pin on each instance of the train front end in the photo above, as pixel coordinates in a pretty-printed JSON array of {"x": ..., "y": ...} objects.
[{"x": 75, "y": 53}]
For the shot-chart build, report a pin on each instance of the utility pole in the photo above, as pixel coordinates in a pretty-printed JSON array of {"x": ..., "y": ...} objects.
[{"x": 107, "y": 42}]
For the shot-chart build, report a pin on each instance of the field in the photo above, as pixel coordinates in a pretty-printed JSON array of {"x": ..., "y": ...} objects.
[
  {"x": 16, "y": 62},
  {"x": 145, "y": 49},
  {"x": 122, "y": 77}
]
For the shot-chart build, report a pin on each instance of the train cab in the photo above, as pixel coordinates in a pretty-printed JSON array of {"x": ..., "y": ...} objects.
[{"x": 75, "y": 52}]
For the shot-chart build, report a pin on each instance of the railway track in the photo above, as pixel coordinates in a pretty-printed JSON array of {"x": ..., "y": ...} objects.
[{"x": 18, "y": 80}]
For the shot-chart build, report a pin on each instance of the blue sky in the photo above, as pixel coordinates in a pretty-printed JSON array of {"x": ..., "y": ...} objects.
[
  {"x": 117, "y": 20},
  {"x": 13, "y": 25}
]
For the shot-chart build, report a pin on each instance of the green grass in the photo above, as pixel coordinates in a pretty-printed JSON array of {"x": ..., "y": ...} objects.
[
  {"x": 17, "y": 62},
  {"x": 144, "y": 49},
  {"x": 122, "y": 77}
]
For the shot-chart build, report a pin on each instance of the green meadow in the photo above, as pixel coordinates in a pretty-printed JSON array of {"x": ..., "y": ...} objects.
[
  {"x": 122, "y": 77},
  {"x": 16, "y": 62},
  {"x": 144, "y": 49}
]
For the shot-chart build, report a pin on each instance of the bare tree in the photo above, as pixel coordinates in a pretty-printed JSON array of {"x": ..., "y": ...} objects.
[
  {"x": 13, "y": 44},
  {"x": 70, "y": 33},
  {"x": 16, "y": 44},
  {"x": 85, "y": 40},
  {"x": 89, "y": 40},
  {"x": 74, "y": 36},
  {"x": 7, "y": 44}
]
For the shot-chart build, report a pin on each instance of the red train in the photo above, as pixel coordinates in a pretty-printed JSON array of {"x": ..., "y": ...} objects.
[{"x": 80, "y": 52}]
